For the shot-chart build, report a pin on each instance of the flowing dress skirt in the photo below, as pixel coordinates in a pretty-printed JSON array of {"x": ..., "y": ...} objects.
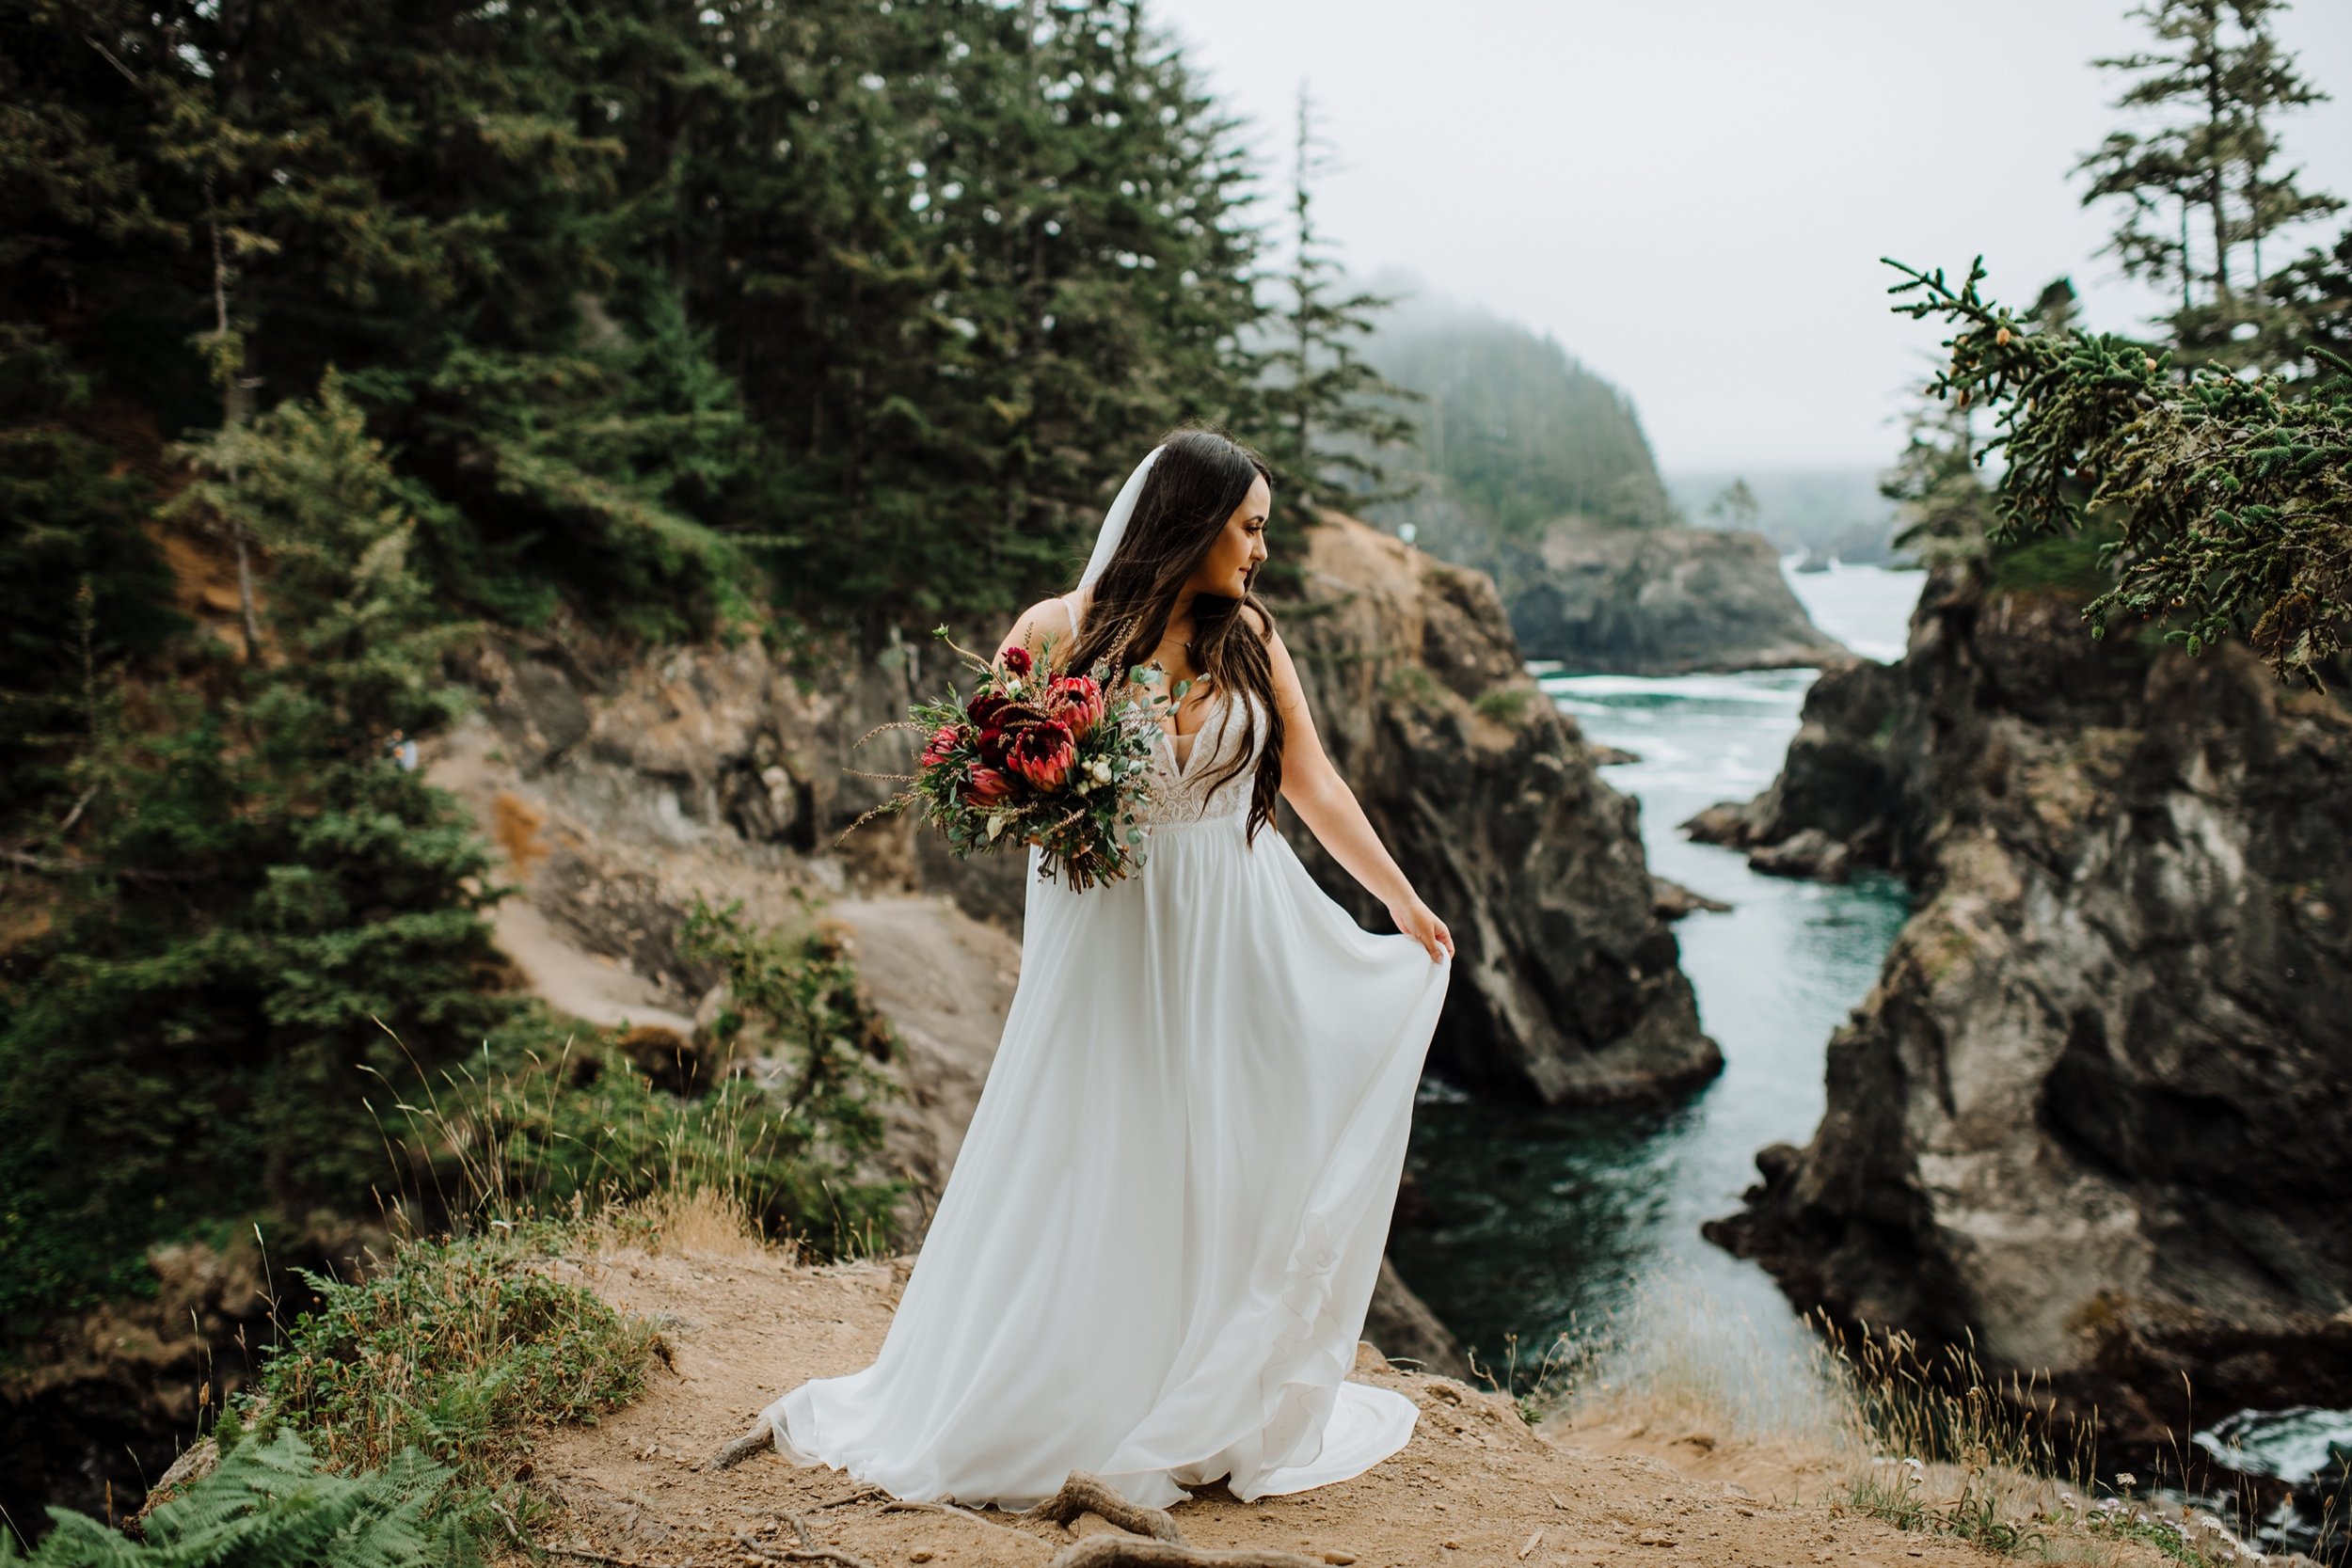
[{"x": 1154, "y": 1253}]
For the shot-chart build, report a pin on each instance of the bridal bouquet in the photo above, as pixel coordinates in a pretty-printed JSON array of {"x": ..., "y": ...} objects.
[{"x": 1034, "y": 759}]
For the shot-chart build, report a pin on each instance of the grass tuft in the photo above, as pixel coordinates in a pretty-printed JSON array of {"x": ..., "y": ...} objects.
[
  {"x": 461, "y": 1348},
  {"x": 1864, "y": 1422}
]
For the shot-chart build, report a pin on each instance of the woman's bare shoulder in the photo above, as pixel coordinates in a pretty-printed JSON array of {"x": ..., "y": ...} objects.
[{"x": 1048, "y": 619}]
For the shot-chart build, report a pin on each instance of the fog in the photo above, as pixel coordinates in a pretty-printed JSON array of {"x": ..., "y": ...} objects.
[{"x": 1692, "y": 197}]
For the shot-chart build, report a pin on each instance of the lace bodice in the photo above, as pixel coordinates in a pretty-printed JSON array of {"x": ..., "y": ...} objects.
[{"x": 1180, "y": 792}]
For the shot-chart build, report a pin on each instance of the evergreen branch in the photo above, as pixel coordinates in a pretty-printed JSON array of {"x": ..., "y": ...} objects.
[{"x": 2234, "y": 497}]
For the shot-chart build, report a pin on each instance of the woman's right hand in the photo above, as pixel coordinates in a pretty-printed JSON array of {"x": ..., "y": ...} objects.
[{"x": 1418, "y": 921}]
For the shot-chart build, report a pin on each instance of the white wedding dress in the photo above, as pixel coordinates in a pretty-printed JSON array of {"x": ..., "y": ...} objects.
[{"x": 1155, "y": 1250}]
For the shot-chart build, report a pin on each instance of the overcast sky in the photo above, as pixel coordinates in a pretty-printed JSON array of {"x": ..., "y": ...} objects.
[{"x": 1693, "y": 195}]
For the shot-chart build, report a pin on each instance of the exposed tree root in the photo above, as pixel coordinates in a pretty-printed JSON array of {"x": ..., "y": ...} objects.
[
  {"x": 1106, "y": 1550},
  {"x": 900, "y": 1506},
  {"x": 587, "y": 1554},
  {"x": 807, "y": 1551},
  {"x": 762, "y": 1436},
  {"x": 1157, "y": 1542},
  {"x": 1152, "y": 1538},
  {"x": 1085, "y": 1493}
]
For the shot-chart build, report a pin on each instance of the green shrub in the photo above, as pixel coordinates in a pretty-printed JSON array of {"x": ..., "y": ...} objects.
[
  {"x": 782, "y": 1120},
  {"x": 1505, "y": 705},
  {"x": 251, "y": 886},
  {"x": 2058, "y": 562},
  {"x": 461, "y": 1348}
]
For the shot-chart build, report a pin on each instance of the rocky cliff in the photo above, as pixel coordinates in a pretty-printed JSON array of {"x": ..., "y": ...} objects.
[
  {"x": 2098, "y": 1109},
  {"x": 1659, "y": 601},
  {"x": 1566, "y": 983},
  {"x": 623, "y": 788},
  {"x": 631, "y": 787}
]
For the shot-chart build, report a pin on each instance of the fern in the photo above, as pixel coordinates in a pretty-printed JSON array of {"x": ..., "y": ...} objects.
[{"x": 268, "y": 1505}]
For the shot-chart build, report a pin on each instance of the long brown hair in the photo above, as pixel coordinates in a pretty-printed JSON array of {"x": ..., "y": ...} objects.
[{"x": 1198, "y": 482}]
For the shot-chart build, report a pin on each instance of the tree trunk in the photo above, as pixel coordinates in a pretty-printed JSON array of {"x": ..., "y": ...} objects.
[
  {"x": 2215, "y": 186},
  {"x": 236, "y": 397}
]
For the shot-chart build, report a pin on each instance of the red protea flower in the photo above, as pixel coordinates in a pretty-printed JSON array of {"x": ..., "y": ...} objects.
[
  {"x": 1042, "y": 753},
  {"x": 1077, "y": 701},
  {"x": 943, "y": 744},
  {"x": 986, "y": 786},
  {"x": 1015, "y": 658}
]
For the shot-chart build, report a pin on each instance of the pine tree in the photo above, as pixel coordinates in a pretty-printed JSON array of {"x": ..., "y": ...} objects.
[
  {"x": 2224, "y": 72},
  {"x": 2312, "y": 298},
  {"x": 86, "y": 590},
  {"x": 966, "y": 263},
  {"x": 1737, "y": 505},
  {"x": 253, "y": 901},
  {"x": 1332, "y": 412},
  {"x": 2219, "y": 500},
  {"x": 1943, "y": 510}
]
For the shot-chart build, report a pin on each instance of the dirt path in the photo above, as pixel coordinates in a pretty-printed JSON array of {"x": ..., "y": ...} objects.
[{"x": 1476, "y": 1485}]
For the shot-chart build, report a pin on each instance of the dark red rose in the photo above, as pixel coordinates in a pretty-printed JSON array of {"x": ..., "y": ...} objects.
[{"x": 985, "y": 709}]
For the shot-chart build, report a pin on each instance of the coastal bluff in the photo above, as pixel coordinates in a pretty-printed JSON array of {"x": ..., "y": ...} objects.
[
  {"x": 2097, "y": 1110},
  {"x": 1666, "y": 600},
  {"x": 641, "y": 783},
  {"x": 1567, "y": 986}
]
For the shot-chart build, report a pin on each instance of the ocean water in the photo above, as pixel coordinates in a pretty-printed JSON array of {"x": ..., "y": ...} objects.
[
  {"x": 1583, "y": 1226},
  {"x": 1543, "y": 1223}
]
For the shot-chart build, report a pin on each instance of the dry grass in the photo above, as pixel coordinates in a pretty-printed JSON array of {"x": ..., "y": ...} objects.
[
  {"x": 1870, "y": 1425},
  {"x": 702, "y": 1222}
]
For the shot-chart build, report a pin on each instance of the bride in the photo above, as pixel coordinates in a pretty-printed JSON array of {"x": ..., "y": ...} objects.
[{"x": 1155, "y": 1251}]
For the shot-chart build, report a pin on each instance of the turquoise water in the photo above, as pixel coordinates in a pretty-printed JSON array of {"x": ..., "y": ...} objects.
[{"x": 1541, "y": 1222}]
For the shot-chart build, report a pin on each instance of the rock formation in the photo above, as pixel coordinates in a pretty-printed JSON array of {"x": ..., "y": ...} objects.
[
  {"x": 1658, "y": 601},
  {"x": 1566, "y": 982},
  {"x": 623, "y": 789},
  {"x": 2098, "y": 1109},
  {"x": 714, "y": 770}
]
